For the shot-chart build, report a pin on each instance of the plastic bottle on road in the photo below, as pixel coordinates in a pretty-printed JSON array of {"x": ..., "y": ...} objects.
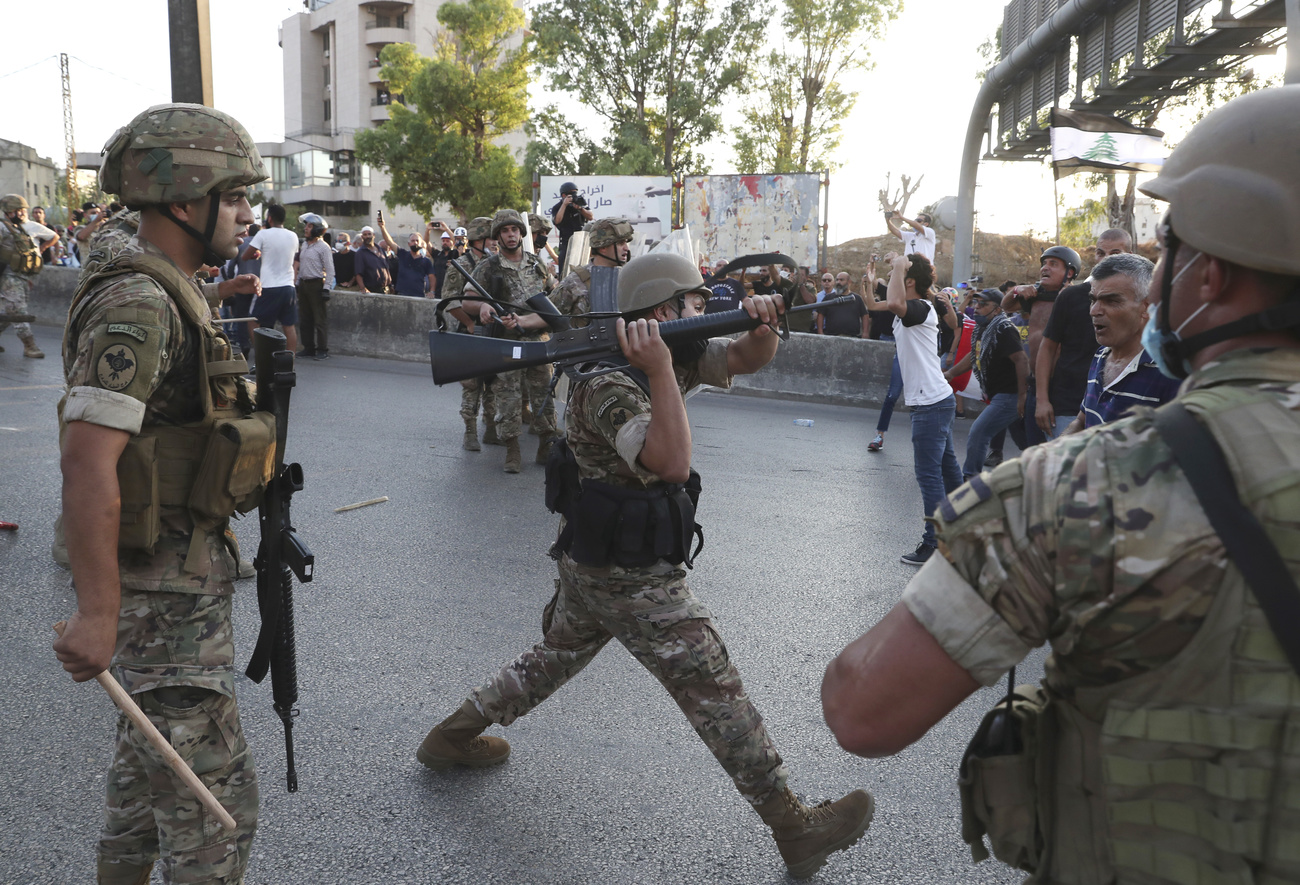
[{"x": 804, "y": 422}]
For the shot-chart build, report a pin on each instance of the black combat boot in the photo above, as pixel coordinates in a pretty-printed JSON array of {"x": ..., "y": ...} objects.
[{"x": 456, "y": 741}]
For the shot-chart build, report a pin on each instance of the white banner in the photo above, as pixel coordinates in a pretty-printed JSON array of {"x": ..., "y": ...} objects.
[
  {"x": 1107, "y": 148},
  {"x": 646, "y": 201},
  {"x": 734, "y": 215}
]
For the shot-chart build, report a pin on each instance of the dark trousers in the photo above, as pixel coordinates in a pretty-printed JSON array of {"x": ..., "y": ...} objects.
[
  {"x": 240, "y": 306},
  {"x": 312, "y": 320}
]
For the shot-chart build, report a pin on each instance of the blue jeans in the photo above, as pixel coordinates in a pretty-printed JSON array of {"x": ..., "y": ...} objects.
[
  {"x": 997, "y": 416},
  {"x": 1033, "y": 436},
  {"x": 891, "y": 397},
  {"x": 933, "y": 457}
]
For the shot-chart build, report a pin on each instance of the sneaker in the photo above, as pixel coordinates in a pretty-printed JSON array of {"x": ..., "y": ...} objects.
[
  {"x": 918, "y": 556},
  {"x": 876, "y": 444},
  {"x": 305, "y": 353},
  {"x": 993, "y": 460},
  {"x": 323, "y": 355}
]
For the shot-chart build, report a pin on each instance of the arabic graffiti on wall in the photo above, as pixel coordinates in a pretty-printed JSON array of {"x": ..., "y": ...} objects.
[
  {"x": 645, "y": 201},
  {"x": 733, "y": 215}
]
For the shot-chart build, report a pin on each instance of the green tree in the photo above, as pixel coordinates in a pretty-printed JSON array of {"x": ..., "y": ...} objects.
[
  {"x": 797, "y": 103},
  {"x": 656, "y": 70},
  {"x": 439, "y": 144},
  {"x": 1076, "y": 225}
]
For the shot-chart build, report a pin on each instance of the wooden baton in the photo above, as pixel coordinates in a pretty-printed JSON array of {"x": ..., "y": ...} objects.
[{"x": 127, "y": 705}]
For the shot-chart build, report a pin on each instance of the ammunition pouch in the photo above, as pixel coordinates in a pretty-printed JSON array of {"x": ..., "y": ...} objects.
[
  {"x": 236, "y": 468},
  {"x": 23, "y": 257},
  {"x": 611, "y": 525},
  {"x": 137, "y": 478},
  {"x": 998, "y": 781}
]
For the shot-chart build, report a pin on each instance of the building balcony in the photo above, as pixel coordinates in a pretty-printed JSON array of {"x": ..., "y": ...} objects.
[
  {"x": 379, "y": 36},
  {"x": 378, "y": 112},
  {"x": 375, "y": 78}
]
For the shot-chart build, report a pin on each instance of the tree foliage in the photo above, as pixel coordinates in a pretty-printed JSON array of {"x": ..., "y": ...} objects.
[
  {"x": 655, "y": 70},
  {"x": 797, "y": 103},
  {"x": 448, "y": 110}
]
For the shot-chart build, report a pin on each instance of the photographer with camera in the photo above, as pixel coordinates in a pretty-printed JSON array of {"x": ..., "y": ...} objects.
[
  {"x": 570, "y": 214},
  {"x": 920, "y": 239}
]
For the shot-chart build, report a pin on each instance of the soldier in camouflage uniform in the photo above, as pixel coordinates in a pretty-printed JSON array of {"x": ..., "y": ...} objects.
[
  {"x": 610, "y": 240},
  {"x": 20, "y": 262},
  {"x": 512, "y": 276},
  {"x": 1161, "y": 746},
  {"x": 630, "y": 446},
  {"x": 475, "y": 390},
  {"x": 148, "y": 377}
]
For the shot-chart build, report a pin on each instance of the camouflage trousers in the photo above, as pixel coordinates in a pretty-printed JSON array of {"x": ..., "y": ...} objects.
[
  {"x": 175, "y": 655},
  {"x": 511, "y": 388},
  {"x": 13, "y": 299},
  {"x": 476, "y": 390},
  {"x": 655, "y": 616}
]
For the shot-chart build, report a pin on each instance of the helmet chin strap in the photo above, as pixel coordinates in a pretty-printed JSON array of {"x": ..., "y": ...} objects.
[
  {"x": 615, "y": 259},
  {"x": 210, "y": 254}
]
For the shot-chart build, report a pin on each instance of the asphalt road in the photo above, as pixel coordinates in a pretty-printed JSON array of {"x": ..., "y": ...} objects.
[{"x": 417, "y": 600}]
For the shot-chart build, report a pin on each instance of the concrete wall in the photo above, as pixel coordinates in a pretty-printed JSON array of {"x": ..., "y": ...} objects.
[{"x": 840, "y": 371}]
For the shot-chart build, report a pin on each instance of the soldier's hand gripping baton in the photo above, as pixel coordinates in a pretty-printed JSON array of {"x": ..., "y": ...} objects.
[
  {"x": 127, "y": 705},
  {"x": 281, "y": 553}
]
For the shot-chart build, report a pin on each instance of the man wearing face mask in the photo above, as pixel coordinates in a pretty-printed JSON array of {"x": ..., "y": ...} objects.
[
  {"x": 1160, "y": 747},
  {"x": 610, "y": 240}
]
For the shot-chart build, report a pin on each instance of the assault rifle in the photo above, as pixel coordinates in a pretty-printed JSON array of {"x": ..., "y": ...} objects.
[
  {"x": 281, "y": 554},
  {"x": 461, "y": 357}
]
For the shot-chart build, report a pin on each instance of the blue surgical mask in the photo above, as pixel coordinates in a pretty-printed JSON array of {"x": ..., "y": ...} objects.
[{"x": 1154, "y": 340}]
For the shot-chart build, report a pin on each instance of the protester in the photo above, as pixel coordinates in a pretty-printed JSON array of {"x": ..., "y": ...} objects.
[
  {"x": 371, "y": 266},
  {"x": 278, "y": 301}
]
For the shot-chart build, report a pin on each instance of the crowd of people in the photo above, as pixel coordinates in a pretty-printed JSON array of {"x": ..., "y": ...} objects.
[{"x": 1151, "y": 551}]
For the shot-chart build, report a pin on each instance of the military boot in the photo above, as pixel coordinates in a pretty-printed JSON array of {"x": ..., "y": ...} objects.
[
  {"x": 544, "y": 447},
  {"x": 31, "y": 350},
  {"x": 512, "y": 455},
  {"x": 471, "y": 435},
  {"x": 806, "y": 836},
  {"x": 108, "y": 873},
  {"x": 490, "y": 437},
  {"x": 456, "y": 741}
]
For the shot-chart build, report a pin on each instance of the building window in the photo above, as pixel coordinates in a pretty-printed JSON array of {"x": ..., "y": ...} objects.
[
  {"x": 327, "y": 109},
  {"x": 326, "y": 37}
]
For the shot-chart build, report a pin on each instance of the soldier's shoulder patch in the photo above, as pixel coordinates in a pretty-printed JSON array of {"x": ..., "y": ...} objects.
[
  {"x": 116, "y": 366},
  {"x": 604, "y": 406},
  {"x": 129, "y": 329}
]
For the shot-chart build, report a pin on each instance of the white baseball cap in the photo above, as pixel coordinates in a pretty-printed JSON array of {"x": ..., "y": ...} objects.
[
  {"x": 367, "y": 229},
  {"x": 446, "y": 236}
]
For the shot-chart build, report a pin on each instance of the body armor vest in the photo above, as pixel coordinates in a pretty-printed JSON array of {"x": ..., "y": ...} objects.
[
  {"x": 211, "y": 467},
  {"x": 1190, "y": 773},
  {"x": 24, "y": 256}
]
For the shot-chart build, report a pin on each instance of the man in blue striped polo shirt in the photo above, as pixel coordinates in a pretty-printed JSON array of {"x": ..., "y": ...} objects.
[{"x": 1122, "y": 374}]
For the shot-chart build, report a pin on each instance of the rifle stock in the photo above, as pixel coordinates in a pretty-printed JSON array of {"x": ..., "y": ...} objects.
[{"x": 461, "y": 357}]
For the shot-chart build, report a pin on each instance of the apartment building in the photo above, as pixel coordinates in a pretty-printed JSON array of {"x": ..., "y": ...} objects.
[
  {"x": 332, "y": 90},
  {"x": 23, "y": 171}
]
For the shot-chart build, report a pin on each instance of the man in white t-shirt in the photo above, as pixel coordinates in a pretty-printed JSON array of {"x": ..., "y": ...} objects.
[
  {"x": 919, "y": 238},
  {"x": 925, "y": 390},
  {"x": 279, "y": 300}
]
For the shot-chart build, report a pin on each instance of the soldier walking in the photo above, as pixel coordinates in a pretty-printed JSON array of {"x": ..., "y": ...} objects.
[
  {"x": 20, "y": 262},
  {"x": 625, "y": 461},
  {"x": 146, "y": 501},
  {"x": 474, "y": 390}
]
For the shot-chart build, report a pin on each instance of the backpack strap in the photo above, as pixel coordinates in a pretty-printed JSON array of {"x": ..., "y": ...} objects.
[{"x": 1247, "y": 543}]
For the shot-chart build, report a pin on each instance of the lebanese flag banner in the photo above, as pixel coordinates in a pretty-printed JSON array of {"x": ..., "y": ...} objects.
[{"x": 1087, "y": 142}]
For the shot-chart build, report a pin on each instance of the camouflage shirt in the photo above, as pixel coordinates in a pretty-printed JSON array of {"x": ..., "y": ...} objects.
[
  {"x": 571, "y": 297},
  {"x": 127, "y": 375},
  {"x": 1094, "y": 542},
  {"x": 454, "y": 284},
  {"x": 515, "y": 282},
  {"x": 609, "y": 415}
]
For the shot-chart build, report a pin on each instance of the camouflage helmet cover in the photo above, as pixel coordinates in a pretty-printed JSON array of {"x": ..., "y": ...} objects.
[
  {"x": 505, "y": 218},
  {"x": 538, "y": 224},
  {"x": 480, "y": 228},
  {"x": 650, "y": 280},
  {"x": 608, "y": 231},
  {"x": 176, "y": 152},
  {"x": 12, "y": 203}
]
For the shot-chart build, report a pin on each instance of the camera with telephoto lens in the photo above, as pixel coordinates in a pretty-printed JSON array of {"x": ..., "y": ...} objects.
[{"x": 580, "y": 201}]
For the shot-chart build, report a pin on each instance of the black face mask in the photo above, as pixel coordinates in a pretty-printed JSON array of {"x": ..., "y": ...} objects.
[
  {"x": 415, "y": 248},
  {"x": 689, "y": 352}
]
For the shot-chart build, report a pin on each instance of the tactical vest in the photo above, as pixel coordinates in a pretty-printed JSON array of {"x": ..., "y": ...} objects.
[
  {"x": 1190, "y": 773},
  {"x": 211, "y": 467},
  {"x": 497, "y": 287},
  {"x": 23, "y": 256}
]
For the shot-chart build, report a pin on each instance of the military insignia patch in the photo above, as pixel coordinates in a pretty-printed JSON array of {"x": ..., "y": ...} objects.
[
  {"x": 116, "y": 367},
  {"x": 604, "y": 407},
  {"x": 127, "y": 329}
]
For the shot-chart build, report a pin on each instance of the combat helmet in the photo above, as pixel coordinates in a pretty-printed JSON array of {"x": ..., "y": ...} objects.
[
  {"x": 609, "y": 231},
  {"x": 538, "y": 224},
  {"x": 177, "y": 152},
  {"x": 479, "y": 228},
  {"x": 650, "y": 280},
  {"x": 12, "y": 203},
  {"x": 1231, "y": 189},
  {"x": 1066, "y": 256},
  {"x": 505, "y": 218}
]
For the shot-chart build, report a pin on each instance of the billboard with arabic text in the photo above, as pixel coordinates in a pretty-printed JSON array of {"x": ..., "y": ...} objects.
[{"x": 644, "y": 200}]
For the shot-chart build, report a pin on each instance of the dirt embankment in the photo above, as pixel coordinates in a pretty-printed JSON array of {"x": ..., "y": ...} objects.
[{"x": 998, "y": 257}]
